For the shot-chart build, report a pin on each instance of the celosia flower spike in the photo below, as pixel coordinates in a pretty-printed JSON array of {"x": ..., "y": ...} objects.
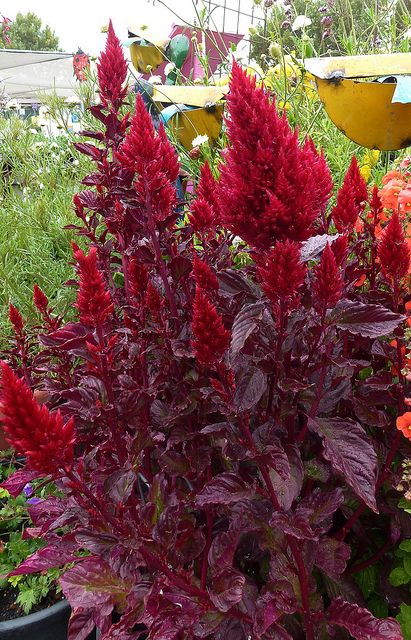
[
  {"x": 16, "y": 320},
  {"x": 211, "y": 339},
  {"x": 204, "y": 276},
  {"x": 137, "y": 278},
  {"x": 393, "y": 250},
  {"x": 328, "y": 284},
  {"x": 351, "y": 199},
  {"x": 112, "y": 72},
  {"x": 41, "y": 436},
  {"x": 201, "y": 216},
  {"x": 41, "y": 302},
  {"x": 207, "y": 188},
  {"x": 271, "y": 187},
  {"x": 93, "y": 300},
  {"x": 340, "y": 249},
  {"x": 283, "y": 273}
]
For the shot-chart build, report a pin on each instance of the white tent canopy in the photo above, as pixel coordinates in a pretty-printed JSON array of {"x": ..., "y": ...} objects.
[{"x": 26, "y": 74}]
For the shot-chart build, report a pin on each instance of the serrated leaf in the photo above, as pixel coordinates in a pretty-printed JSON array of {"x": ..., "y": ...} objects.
[
  {"x": 404, "y": 618},
  {"x": 312, "y": 247},
  {"x": 227, "y": 488},
  {"x": 331, "y": 557},
  {"x": 360, "y": 623},
  {"x": 399, "y": 576},
  {"x": 227, "y": 590},
  {"x": 368, "y": 320},
  {"x": 245, "y": 322},
  {"x": 350, "y": 453},
  {"x": 406, "y": 546},
  {"x": 367, "y": 580}
]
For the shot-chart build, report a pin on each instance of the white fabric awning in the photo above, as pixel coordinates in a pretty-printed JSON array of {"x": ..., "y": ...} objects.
[{"x": 26, "y": 74}]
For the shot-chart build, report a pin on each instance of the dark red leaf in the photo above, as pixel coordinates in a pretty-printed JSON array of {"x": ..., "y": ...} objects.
[
  {"x": 245, "y": 323},
  {"x": 17, "y": 481},
  {"x": 368, "y": 320},
  {"x": 360, "y": 623},
  {"x": 331, "y": 557},
  {"x": 227, "y": 590},
  {"x": 227, "y": 488},
  {"x": 251, "y": 385}
]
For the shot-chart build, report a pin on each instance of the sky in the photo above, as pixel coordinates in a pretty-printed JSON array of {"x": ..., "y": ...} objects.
[{"x": 78, "y": 22}]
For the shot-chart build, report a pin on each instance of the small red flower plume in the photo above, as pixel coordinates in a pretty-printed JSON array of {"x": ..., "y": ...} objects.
[
  {"x": 93, "y": 300},
  {"x": 282, "y": 273},
  {"x": 207, "y": 188},
  {"x": 150, "y": 155},
  {"x": 340, "y": 249},
  {"x": 204, "y": 276},
  {"x": 211, "y": 339},
  {"x": 201, "y": 216},
  {"x": 41, "y": 436},
  {"x": 351, "y": 199},
  {"x": 153, "y": 301},
  {"x": 271, "y": 188},
  {"x": 16, "y": 320},
  {"x": 376, "y": 208},
  {"x": 328, "y": 285},
  {"x": 112, "y": 72},
  {"x": 393, "y": 250},
  {"x": 41, "y": 301},
  {"x": 137, "y": 278}
]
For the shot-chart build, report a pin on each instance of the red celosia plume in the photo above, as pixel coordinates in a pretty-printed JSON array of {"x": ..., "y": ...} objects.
[
  {"x": 211, "y": 339},
  {"x": 393, "y": 250},
  {"x": 137, "y": 278},
  {"x": 351, "y": 199},
  {"x": 150, "y": 155},
  {"x": 207, "y": 189},
  {"x": 328, "y": 285},
  {"x": 93, "y": 300},
  {"x": 112, "y": 72},
  {"x": 201, "y": 216},
  {"x": 282, "y": 273},
  {"x": 204, "y": 276},
  {"x": 41, "y": 436},
  {"x": 40, "y": 300},
  {"x": 340, "y": 249},
  {"x": 271, "y": 187},
  {"x": 16, "y": 319}
]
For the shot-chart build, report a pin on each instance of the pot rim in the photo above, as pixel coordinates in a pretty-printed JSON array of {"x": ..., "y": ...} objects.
[{"x": 35, "y": 618}]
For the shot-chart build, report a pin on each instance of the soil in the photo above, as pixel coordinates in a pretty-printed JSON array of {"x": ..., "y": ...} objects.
[{"x": 9, "y": 610}]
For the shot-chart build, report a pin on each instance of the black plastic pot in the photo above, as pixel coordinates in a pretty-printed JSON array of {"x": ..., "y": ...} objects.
[{"x": 48, "y": 624}]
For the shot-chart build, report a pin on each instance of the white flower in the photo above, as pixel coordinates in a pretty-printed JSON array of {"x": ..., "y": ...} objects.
[
  {"x": 300, "y": 22},
  {"x": 33, "y": 131},
  {"x": 75, "y": 162},
  {"x": 169, "y": 68},
  {"x": 155, "y": 79},
  {"x": 41, "y": 185},
  {"x": 199, "y": 140}
]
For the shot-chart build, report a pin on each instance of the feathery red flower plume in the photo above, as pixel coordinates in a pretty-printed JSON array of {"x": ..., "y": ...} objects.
[
  {"x": 41, "y": 436},
  {"x": 93, "y": 300},
  {"x": 153, "y": 301},
  {"x": 16, "y": 320},
  {"x": 41, "y": 301},
  {"x": 271, "y": 188},
  {"x": 351, "y": 199},
  {"x": 207, "y": 189},
  {"x": 201, "y": 216},
  {"x": 204, "y": 276},
  {"x": 211, "y": 339},
  {"x": 328, "y": 285},
  {"x": 112, "y": 72},
  {"x": 340, "y": 249},
  {"x": 150, "y": 155},
  {"x": 282, "y": 273},
  {"x": 393, "y": 250},
  {"x": 137, "y": 278}
]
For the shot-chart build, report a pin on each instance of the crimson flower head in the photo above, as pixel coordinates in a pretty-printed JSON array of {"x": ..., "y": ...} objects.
[
  {"x": 41, "y": 436},
  {"x": 201, "y": 216},
  {"x": 351, "y": 199},
  {"x": 41, "y": 301},
  {"x": 204, "y": 276},
  {"x": 153, "y": 301},
  {"x": 137, "y": 277},
  {"x": 340, "y": 249},
  {"x": 328, "y": 284},
  {"x": 393, "y": 250},
  {"x": 211, "y": 339},
  {"x": 93, "y": 300},
  {"x": 152, "y": 158},
  {"x": 112, "y": 72},
  {"x": 207, "y": 189},
  {"x": 16, "y": 320},
  {"x": 271, "y": 187},
  {"x": 282, "y": 273}
]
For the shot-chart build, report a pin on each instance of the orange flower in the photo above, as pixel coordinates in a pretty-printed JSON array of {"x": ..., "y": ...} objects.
[
  {"x": 404, "y": 200},
  {"x": 390, "y": 192},
  {"x": 392, "y": 175},
  {"x": 404, "y": 424},
  {"x": 360, "y": 280}
]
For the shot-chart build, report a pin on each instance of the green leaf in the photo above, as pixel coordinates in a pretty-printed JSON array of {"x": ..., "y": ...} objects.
[
  {"x": 406, "y": 545},
  {"x": 404, "y": 618},
  {"x": 27, "y": 599},
  {"x": 366, "y": 580},
  {"x": 399, "y": 576},
  {"x": 407, "y": 565},
  {"x": 377, "y": 606}
]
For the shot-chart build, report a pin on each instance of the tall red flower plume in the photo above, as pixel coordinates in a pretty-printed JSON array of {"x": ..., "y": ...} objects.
[
  {"x": 16, "y": 320},
  {"x": 282, "y": 273},
  {"x": 41, "y": 302},
  {"x": 204, "y": 276},
  {"x": 112, "y": 72},
  {"x": 393, "y": 250},
  {"x": 328, "y": 285},
  {"x": 150, "y": 155},
  {"x": 271, "y": 187},
  {"x": 351, "y": 199},
  {"x": 207, "y": 188},
  {"x": 137, "y": 278},
  {"x": 211, "y": 339},
  {"x": 93, "y": 300},
  {"x": 201, "y": 216},
  {"x": 340, "y": 249},
  {"x": 376, "y": 208},
  {"x": 41, "y": 436},
  {"x": 153, "y": 301}
]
